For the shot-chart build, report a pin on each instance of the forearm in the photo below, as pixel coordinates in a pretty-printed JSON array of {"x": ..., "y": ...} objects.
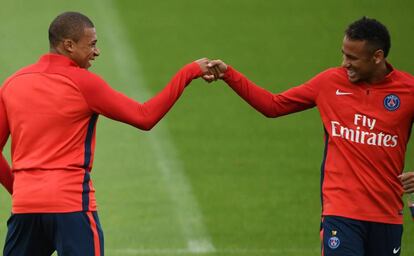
[
  {"x": 257, "y": 97},
  {"x": 6, "y": 176},
  {"x": 102, "y": 99},
  {"x": 269, "y": 104},
  {"x": 152, "y": 111}
]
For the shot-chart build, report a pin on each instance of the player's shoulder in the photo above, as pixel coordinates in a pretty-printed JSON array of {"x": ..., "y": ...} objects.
[
  {"x": 81, "y": 75},
  {"x": 21, "y": 71},
  {"x": 404, "y": 79},
  {"x": 333, "y": 73},
  {"x": 80, "y": 72},
  {"x": 404, "y": 76}
]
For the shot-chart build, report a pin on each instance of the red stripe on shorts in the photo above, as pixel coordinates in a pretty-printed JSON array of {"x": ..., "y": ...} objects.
[{"x": 94, "y": 228}]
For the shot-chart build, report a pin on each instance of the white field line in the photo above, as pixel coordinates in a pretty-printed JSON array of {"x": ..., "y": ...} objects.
[
  {"x": 175, "y": 181},
  {"x": 227, "y": 251}
]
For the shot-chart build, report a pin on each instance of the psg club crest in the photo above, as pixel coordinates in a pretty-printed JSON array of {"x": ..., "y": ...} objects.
[
  {"x": 334, "y": 242},
  {"x": 392, "y": 102}
]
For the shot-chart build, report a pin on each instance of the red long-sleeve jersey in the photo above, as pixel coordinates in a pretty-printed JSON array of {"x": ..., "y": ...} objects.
[
  {"x": 50, "y": 110},
  {"x": 367, "y": 127}
]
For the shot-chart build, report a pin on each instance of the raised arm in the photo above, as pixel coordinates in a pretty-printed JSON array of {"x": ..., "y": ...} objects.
[
  {"x": 271, "y": 105},
  {"x": 104, "y": 100}
]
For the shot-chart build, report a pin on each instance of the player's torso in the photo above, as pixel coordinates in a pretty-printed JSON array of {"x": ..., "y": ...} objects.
[
  {"x": 367, "y": 128},
  {"x": 48, "y": 119},
  {"x": 51, "y": 128}
]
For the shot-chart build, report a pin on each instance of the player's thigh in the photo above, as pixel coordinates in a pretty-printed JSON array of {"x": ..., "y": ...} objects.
[
  {"x": 79, "y": 234},
  {"x": 342, "y": 237},
  {"x": 384, "y": 239},
  {"x": 26, "y": 236}
]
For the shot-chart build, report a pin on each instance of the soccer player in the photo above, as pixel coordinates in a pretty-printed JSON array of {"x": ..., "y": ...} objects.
[
  {"x": 367, "y": 109},
  {"x": 50, "y": 110}
]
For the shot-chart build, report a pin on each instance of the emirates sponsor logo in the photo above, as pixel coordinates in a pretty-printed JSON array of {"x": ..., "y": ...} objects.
[{"x": 364, "y": 132}]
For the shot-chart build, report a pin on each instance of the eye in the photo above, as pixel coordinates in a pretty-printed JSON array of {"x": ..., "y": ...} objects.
[{"x": 350, "y": 57}]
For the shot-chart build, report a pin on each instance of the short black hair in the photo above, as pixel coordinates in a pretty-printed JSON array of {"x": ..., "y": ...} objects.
[
  {"x": 68, "y": 25},
  {"x": 372, "y": 31}
]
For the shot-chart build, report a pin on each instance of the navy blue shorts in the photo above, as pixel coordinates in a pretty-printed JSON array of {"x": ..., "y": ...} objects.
[
  {"x": 40, "y": 234},
  {"x": 347, "y": 237}
]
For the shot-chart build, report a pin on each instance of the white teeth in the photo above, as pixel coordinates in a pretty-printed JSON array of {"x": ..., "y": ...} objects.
[{"x": 351, "y": 73}]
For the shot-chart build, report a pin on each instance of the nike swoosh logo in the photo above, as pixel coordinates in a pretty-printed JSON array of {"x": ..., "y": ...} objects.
[
  {"x": 396, "y": 250},
  {"x": 339, "y": 93}
]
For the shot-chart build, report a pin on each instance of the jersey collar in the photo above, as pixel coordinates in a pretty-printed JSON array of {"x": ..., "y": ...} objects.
[{"x": 57, "y": 59}]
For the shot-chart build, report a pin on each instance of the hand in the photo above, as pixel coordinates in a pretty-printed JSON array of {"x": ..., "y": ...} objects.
[
  {"x": 207, "y": 75},
  {"x": 217, "y": 68},
  {"x": 407, "y": 181}
]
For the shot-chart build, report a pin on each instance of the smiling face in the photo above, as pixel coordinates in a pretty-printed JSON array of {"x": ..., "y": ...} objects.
[
  {"x": 84, "y": 50},
  {"x": 359, "y": 60}
]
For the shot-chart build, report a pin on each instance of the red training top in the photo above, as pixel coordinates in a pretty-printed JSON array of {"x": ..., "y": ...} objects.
[
  {"x": 367, "y": 127},
  {"x": 50, "y": 109}
]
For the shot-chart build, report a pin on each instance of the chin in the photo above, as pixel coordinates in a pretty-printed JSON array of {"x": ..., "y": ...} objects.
[{"x": 353, "y": 79}]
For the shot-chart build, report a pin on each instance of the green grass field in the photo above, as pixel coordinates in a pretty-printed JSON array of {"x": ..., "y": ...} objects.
[{"x": 214, "y": 177}]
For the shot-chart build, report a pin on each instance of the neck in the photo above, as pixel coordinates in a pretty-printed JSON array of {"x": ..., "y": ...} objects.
[
  {"x": 380, "y": 74},
  {"x": 53, "y": 50},
  {"x": 58, "y": 50}
]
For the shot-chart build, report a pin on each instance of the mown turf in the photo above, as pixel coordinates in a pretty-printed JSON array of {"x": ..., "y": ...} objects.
[{"x": 256, "y": 180}]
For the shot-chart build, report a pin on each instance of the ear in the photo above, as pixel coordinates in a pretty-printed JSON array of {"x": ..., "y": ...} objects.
[
  {"x": 378, "y": 56},
  {"x": 68, "y": 45}
]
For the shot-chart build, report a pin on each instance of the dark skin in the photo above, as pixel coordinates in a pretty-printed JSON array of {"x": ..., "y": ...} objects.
[
  {"x": 407, "y": 180},
  {"x": 82, "y": 51},
  {"x": 363, "y": 64}
]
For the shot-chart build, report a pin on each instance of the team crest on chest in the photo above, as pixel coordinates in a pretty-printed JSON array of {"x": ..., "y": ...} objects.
[{"x": 392, "y": 102}]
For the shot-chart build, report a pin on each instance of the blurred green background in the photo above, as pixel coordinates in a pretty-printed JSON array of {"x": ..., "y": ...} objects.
[{"x": 214, "y": 177}]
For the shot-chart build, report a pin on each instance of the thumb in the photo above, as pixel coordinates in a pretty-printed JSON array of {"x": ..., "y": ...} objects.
[{"x": 213, "y": 63}]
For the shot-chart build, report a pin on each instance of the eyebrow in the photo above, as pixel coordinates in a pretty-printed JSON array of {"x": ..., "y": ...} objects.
[{"x": 348, "y": 55}]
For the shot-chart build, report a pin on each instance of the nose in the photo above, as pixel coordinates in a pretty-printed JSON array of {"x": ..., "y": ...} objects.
[
  {"x": 345, "y": 63},
  {"x": 97, "y": 52}
]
